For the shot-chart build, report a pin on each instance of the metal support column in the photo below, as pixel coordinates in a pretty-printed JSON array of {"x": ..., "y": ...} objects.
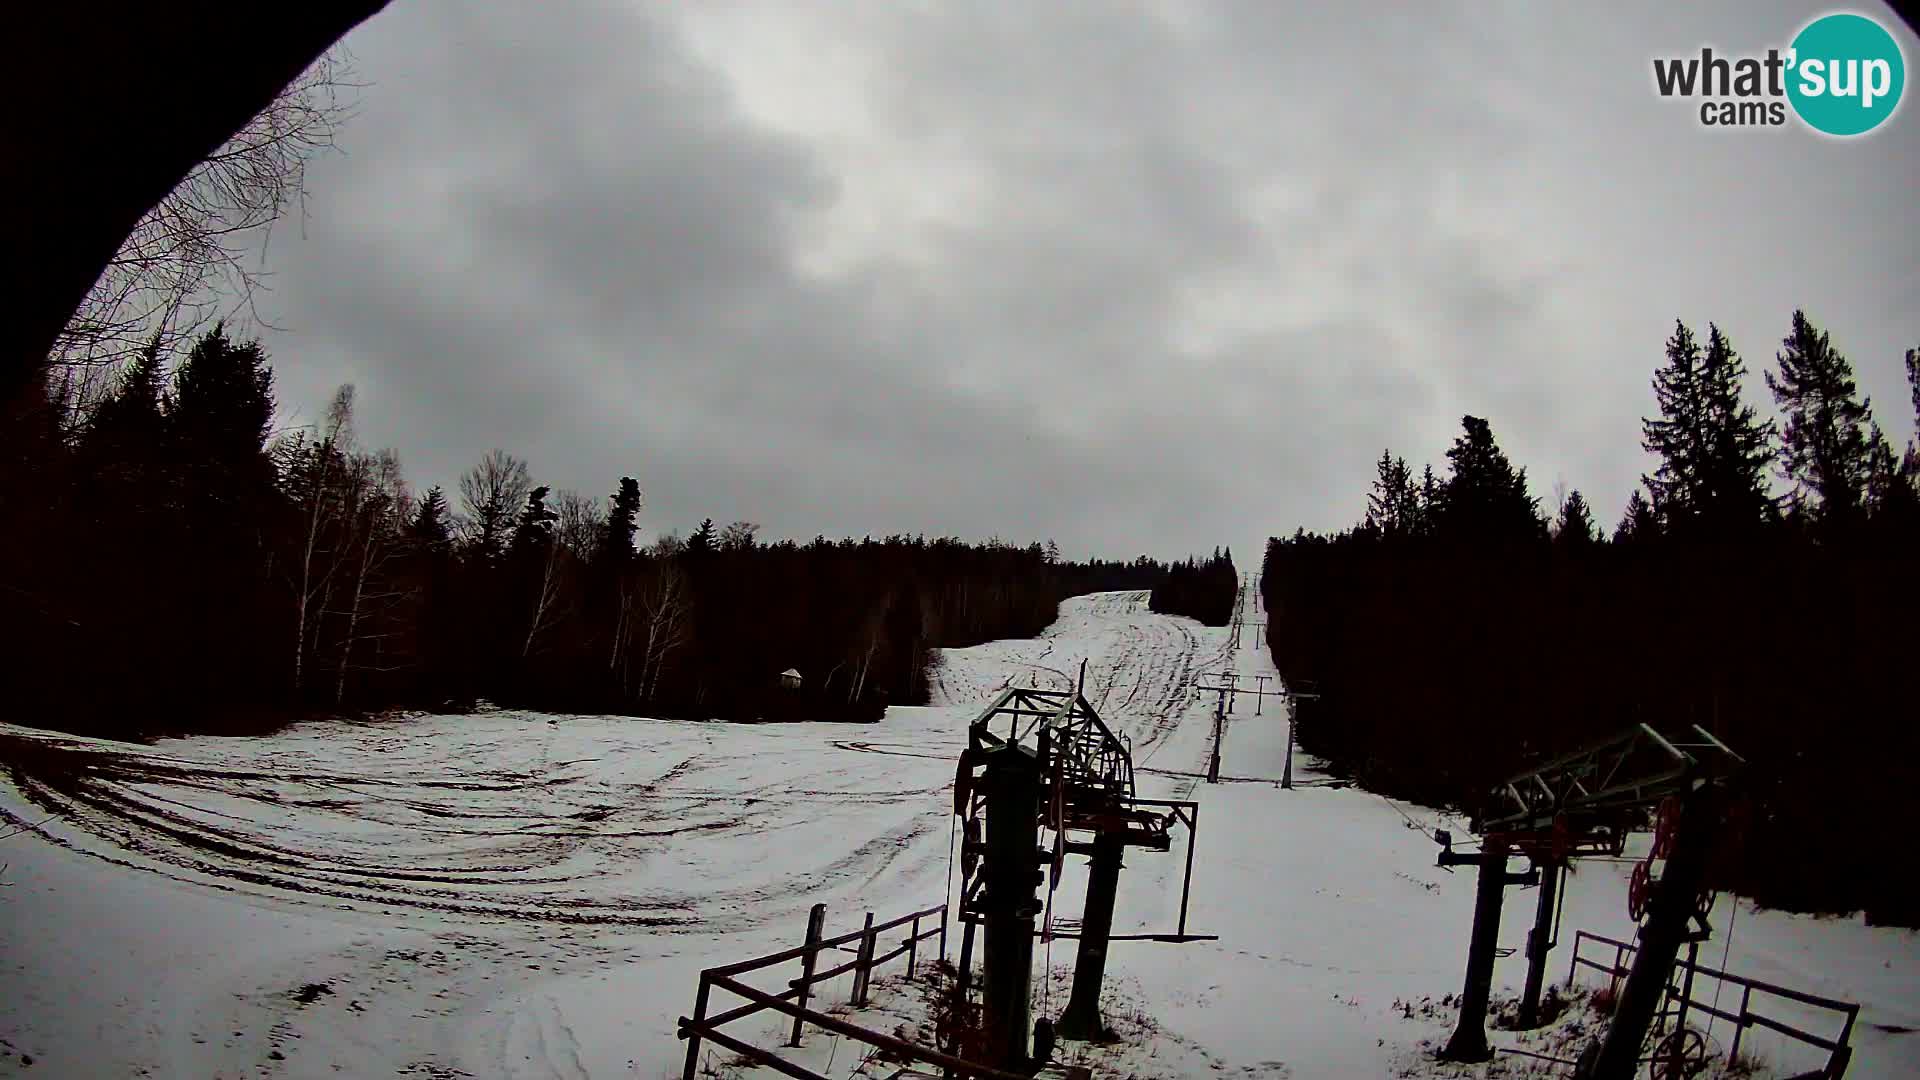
[
  {"x": 1540, "y": 939},
  {"x": 1661, "y": 936},
  {"x": 1011, "y": 781},
  {"x": 1469, "y": 1042},
  {"x": 1082, "y": 1018}
]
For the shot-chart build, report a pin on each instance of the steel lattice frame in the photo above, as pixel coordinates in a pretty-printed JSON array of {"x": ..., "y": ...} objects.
[{"x": 1587, "y": 800}]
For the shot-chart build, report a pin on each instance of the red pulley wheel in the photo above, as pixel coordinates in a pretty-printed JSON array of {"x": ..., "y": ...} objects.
[
  {"x": 1666, "y": 823},
  {"x": 1639, "y": 889}
]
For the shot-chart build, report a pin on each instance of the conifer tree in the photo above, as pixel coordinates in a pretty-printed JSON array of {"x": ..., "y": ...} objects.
[
  {"x": 1486, "y": 501},
  {"x": 1640, "y": 523},
  {"x": 1891, "y": 498},
  {"x": 534, "y": 531},
  {"x": 430, "y": 529},
  {"x": 1574, "y": 528},
  {"x": 126, "y": 426},
  {"x": 1826, "y": 447},
  {"x": 1736, "y": 444},
  {"x": 1679, "y": 436},
  {"x": 1427, "y": 502},
  {"x": 704, "y": 539},
  {"x": 1911, "y": 465},
  {"x": 623, "y": 521},
  {"x": 1393, "y": 506},
  {"x": 222, "y": 403}
]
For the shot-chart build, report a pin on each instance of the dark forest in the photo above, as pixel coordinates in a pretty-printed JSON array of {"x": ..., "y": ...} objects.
[
  {"x": 1200, "y": 590},
  {"x": 1457, "y": 633},
  {"x": 192, "y": 570}
]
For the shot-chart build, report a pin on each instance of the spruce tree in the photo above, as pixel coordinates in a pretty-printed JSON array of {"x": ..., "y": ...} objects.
[
  {"x": 215, "y": 438},
  {"x": 430, "y": 529},
  {"x": 126, "y": 426},
  {"x": 222, "y": 404},
  {"x": 1826, "y": 448},
  {"x": 534, "y": 530},
  {"x": 1891, "y": 499},
  {"x": 1486, "y": 501},
  {"x": 623, "y": 521},
  {"x": 1639, "y": 524},
  {"x": 1574, "y": 528},
  {"x": 1426, "y": 502},
  {"x": 704, "y": 539},
  {"x": 1911, "y": 466},
  {"x": 1393, "y": 504},
  {"x": 1736, "y": 445},
  {"x": 1679, "y": 436}
]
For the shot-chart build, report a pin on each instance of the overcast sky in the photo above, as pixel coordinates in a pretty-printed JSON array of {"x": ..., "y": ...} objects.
[{"x": 1146, "y": 276}]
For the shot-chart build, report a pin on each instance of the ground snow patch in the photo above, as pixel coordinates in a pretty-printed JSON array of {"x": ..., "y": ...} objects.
[{"x": 512, "y": 894}]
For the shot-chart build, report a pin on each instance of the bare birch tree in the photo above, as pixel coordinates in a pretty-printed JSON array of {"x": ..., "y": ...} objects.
[
  {"x": 379, "y": 504},
  {"x": 314, "y": 472},
  {"x": 548, "y": 592},
  {"x": 738, "y": 536},
  {"x": 867, "y": 645},
  {"x": 666, "y": 604},
  {"x": 195, "y": 255},
  {"x": 492, "y": 493},
  {"x": 579, "y": 524}
]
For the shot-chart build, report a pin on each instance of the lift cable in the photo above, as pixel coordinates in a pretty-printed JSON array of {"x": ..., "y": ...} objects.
[{"x": 1725, "y": 953}]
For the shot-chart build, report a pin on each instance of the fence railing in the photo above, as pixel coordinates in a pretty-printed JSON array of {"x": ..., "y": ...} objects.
[
  {"x": 793, "y": 1000},
  {"x": 1839, "y": 1053}
]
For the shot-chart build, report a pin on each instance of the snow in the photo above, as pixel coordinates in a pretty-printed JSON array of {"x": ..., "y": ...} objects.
[{"x": 516, "y": 894}]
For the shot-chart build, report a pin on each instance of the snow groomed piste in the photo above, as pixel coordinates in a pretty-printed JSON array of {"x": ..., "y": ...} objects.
[{"x": 515, "y": 894}]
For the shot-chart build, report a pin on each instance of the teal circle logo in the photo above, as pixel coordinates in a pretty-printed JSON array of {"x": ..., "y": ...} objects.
[{"x": 1846, "y": 74}]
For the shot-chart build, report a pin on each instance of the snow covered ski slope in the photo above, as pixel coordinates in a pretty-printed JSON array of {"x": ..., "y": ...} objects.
[{"x": 522, "y": 895}]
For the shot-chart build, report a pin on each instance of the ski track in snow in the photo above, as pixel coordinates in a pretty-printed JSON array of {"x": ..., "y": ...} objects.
[{"x": 526, "y": 895}]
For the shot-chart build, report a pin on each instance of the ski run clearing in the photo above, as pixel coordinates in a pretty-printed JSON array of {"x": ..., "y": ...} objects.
[{"x": 510, "y": 894}]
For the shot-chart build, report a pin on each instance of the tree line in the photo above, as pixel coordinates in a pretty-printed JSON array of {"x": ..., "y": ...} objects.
[
  {"x": 1200, "y": 590},
  {"x": 177, "y": 565},
  {"x": 1458, "y": 632}
]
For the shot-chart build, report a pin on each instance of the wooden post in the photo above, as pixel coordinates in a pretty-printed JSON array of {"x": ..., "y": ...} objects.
[
  {"x": 693, "y": 1035},
  {"x": 1286, "y": 772},
  {"x": 1219, "y": 721},
  {"x": 1739, "y": 1026},
  {"x": 943, "y": 933},
  {"x": 913, "y": 946},
  {"x": 863, "y": 964},
  {"x": 816, "y": 922},
  {"x": 1186, "y": 883}
]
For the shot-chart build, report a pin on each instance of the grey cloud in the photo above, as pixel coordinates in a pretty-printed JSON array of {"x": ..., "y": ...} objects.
[{"x": 1137, "y": 277}]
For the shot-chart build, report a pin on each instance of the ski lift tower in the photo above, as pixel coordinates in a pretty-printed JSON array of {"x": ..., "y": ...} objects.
[
  {"x": 1584, "y": 804},
  {"x": 1043, "y": 760}
]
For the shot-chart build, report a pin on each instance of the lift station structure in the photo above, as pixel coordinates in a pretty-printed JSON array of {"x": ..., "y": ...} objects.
[
  {"x": 1043, "y": 777},
  {"x": 1580, "y": 805}
]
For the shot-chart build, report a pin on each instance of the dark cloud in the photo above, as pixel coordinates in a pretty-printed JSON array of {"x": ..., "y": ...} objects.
[{"x": 1138, "y": 277}]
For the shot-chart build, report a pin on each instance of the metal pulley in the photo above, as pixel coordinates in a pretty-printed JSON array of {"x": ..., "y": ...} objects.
[
  {"x": 1666, "y": 823},
  {"x": 1640, "y": 889}
]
